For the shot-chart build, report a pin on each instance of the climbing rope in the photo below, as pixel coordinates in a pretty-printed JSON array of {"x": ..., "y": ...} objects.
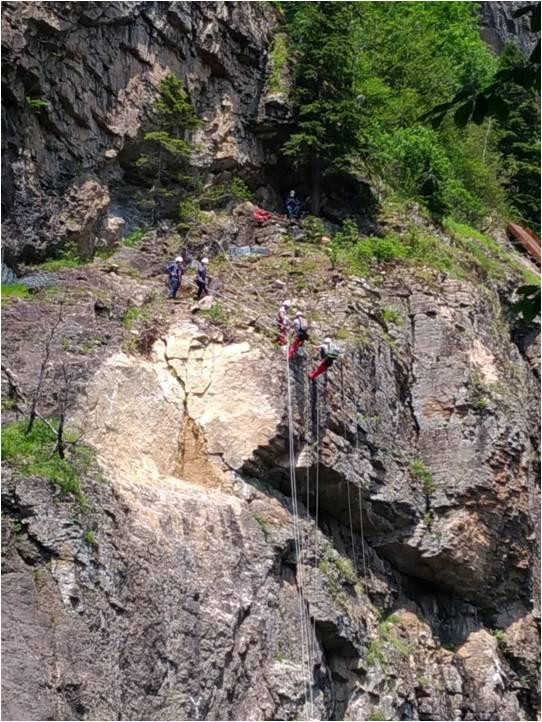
[{"x": 298, "y": 543}]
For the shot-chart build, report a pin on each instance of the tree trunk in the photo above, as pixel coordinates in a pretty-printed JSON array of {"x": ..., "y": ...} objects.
[{"x": 316, "y": 175}]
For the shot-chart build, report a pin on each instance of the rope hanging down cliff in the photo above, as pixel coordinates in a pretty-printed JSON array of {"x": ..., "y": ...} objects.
[{"x": 298, "y": 543}]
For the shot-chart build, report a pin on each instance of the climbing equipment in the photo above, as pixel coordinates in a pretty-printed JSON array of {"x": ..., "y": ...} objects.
[{"x": 298, "y": 543}]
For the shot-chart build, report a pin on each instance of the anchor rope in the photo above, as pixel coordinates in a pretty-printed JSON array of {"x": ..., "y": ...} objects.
[{"x": 298, "y": 543}]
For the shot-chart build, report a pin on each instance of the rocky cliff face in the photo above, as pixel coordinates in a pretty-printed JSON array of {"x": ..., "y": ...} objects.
[
  {"x": 393, "y": 580},
  {"x": 79, "y": 82},
  {"x": 500, "y": 27}
]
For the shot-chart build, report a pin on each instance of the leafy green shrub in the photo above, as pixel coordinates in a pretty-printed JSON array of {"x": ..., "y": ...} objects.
[
  {"x": 130, "y": 316},
  {"x": 240, "y": 191},
  {"x": 314, "y": 229},
  {"x": 133, "y": 238},
  {"x": 420, "y": 472},
  {"x": 189, "y": 212},
  {"x": 31, "y": 454}
]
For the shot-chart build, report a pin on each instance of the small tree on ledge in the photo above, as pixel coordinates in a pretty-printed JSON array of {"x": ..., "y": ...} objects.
[{"x": 175, "y": 117}]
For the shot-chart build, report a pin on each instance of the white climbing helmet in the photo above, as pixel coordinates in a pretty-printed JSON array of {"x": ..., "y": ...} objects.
[
  {"x": 287, "y": 303},
  {"x": 205, "y": 260},
  {"x": 292, "y": 194},
  {"x": 298, "y": 314},
  {"x": 327, "y": 339},
  {"x": 179, "y": 259}
]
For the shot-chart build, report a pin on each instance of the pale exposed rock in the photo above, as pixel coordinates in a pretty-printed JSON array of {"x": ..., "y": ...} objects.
[
  {"x": 112, "y": 230},
  {"x": 77, "y": 222}
]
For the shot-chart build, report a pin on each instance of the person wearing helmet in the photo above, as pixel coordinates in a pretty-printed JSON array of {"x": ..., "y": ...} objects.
[
  {"x": 293, "y": 206},
  {"x": 201, "y": 278},
  {"x": 175, "y": 272},
  {"x": 328, "y": 354},
  {"x": 301, "y": 331},
  {"x": 283, "y": 323}
]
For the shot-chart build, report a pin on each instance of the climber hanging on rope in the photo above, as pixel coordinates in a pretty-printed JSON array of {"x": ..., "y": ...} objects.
[
  {"x": 301, "y": 331},
  {"x": 328, "y": 354},
  {"x": 175, "y": 272},
  {"x": 201, "y": 278},
  {"x": 283, "y": 323}
]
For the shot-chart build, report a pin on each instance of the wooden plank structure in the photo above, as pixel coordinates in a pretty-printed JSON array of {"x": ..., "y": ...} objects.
[{"x": 526, "y": 239}]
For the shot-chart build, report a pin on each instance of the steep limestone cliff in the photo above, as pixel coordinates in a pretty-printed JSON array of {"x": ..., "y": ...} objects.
[
  {"x": 78, "y": 85},
  {"x": 415, "y": 470}
]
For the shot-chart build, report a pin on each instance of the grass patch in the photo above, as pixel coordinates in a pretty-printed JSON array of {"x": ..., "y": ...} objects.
[
  {"x": 421, "y": 473},
  {"x": 130, "y": 316},
  {"x": 391, "y": 315},
  {"x": 14, "y": 290},
  {"x": 36, "y": 104},
  {"x": 218, "y": 314},
  {"x": 90, "y": 538},
  {"x": 337, "y": 569},
  {"x": 133, "y": 238},
  {"x": 386, "y": 638},
  {"x": 31, "y": 454},
  {"x": 261, "y": 522},
  {"x": 69, "y": 258},
  {"x": 471, "y": 254},
  {"x": 279, "y": 59},
  {"x": 376, "y": 715}
]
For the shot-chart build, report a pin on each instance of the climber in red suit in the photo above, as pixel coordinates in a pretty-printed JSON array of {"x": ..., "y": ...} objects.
[
  {"x": 328, "y": 354},
  {"x": 301, "y": 330}
]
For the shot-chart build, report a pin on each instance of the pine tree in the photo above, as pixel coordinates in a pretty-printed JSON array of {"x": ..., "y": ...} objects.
[
  {"x": 328, "y": 119},
  {"x": 169, "y": 150},
  {"x": 519, "y": 143}
]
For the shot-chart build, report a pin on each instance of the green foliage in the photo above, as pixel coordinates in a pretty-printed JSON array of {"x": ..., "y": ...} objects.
[
  {"x": 261, "y": 522},
  {"x": 68, "y": 257},
  {"x": 376, "y": 715},
  {"x": 36, "y": 105},
  {"x": 386, "y": 640},
  {"x": 391, "y": 315},
  {"x": 218, "y": 314},
  {"x": 279, "y": 59},
  {"x": 519, "y": 141},
  {"x": 189, "y": 213},
  {"x": 527, "y": 307},
  {"x": 130, "y": 316},
  {"x": 240, "y": 191},
  {"x": 32, "y": 454},
  {"x": 500, "y": 636},
  {"x": 133, "y": 238},
  {"x": 14, "y": 290},
  {"x": 429, "y": 518},
  {"x": 327, "y": 119},
  {"x": 90, "y": 538},
  {"x": 169, "y": 150},
  {"x": 314, "y": 229},
  {"x": 338, "y": 570},
  {"x": 421, "y": 473}
]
